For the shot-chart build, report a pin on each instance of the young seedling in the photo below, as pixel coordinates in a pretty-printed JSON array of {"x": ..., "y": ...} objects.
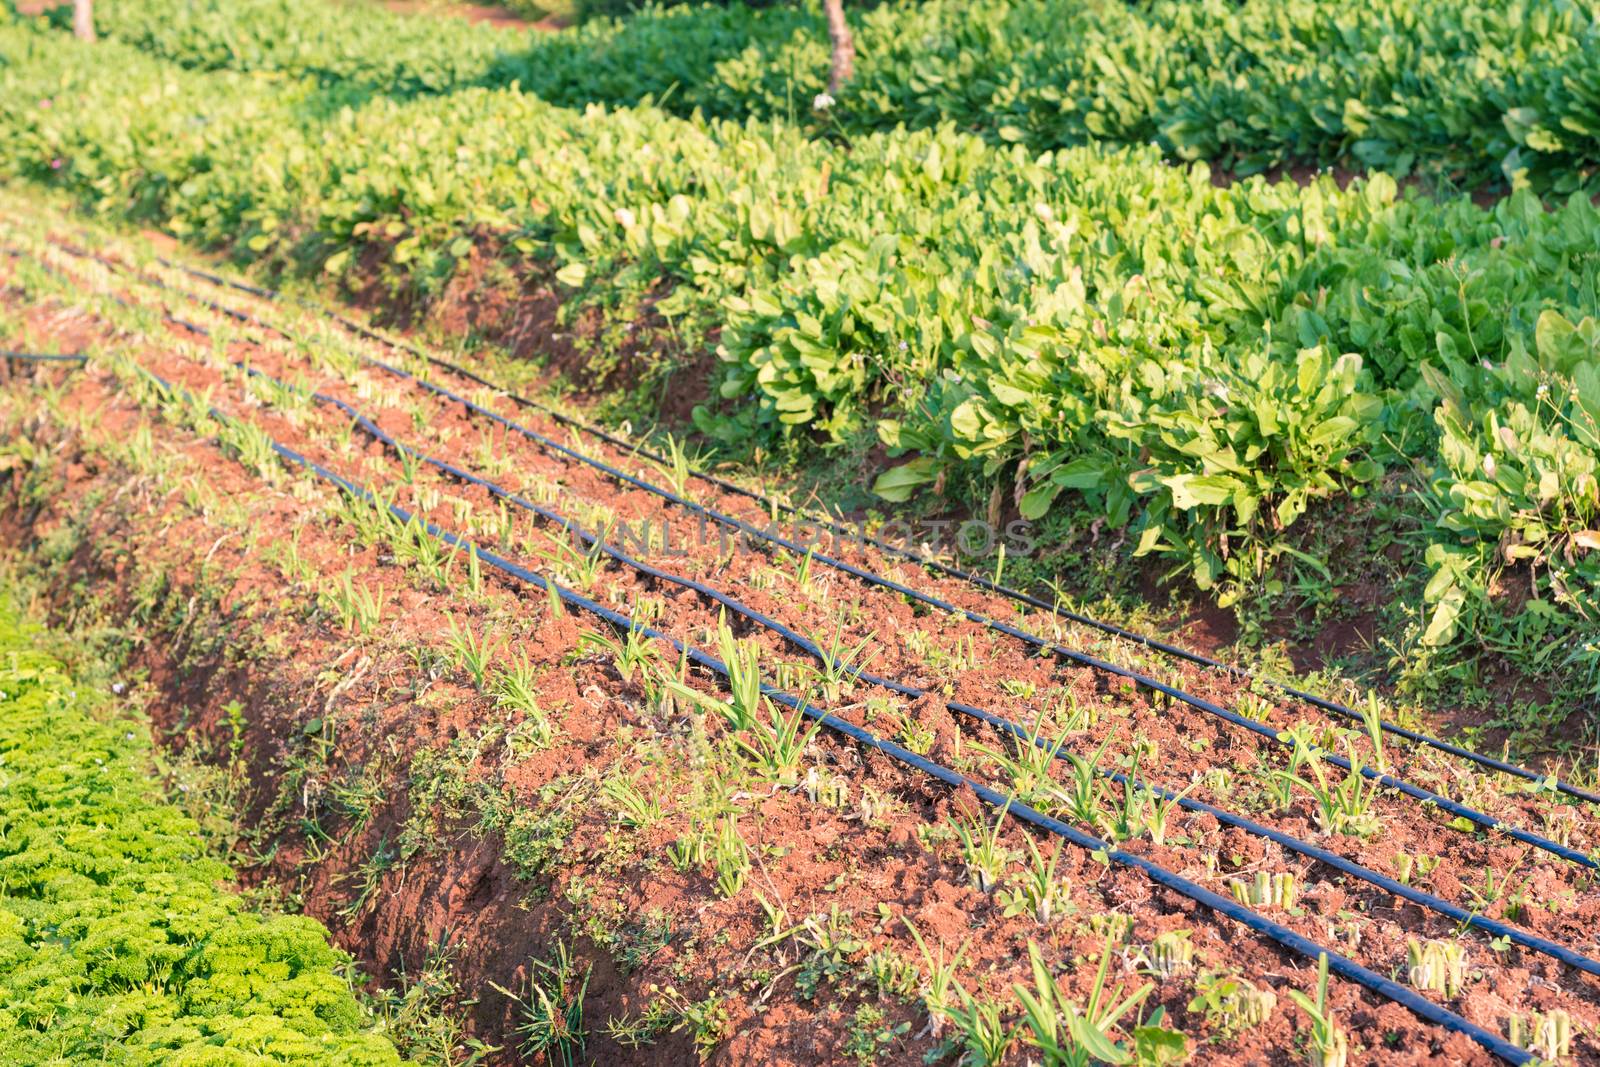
[
  {"x": 516, "y": 687},
  {"x": 981, "y": 1023},
  {"x": 940, "y": 987},
  {"x": 1067, "y": 1034},
  {"x": 1160, "y": 810},
  {"x": 1170, "y": 953},
  {"x": 730, "y": 857},
  {"x": 1436, "y": 966},
  {"x": 1128, "y": 810},
  {"x": 429, "y": 555},
  {"x": 981, "y": 848},
  {"x": 778, "y": 746},
  {"x": 1254, "y": 707},
  {"x": 410, "y": 466},
  {"x": 1408, "y": 867},
  {"x": 359, "y": 609},
  {"x": 1231, "y": 1003},
  {"x": 743, "y": 661},
  {"x": 1030, "y": 764},
  {"x": 1073, "y": 715},
  {"x": 1038, "y": 890},
  {"x": 840, "y": 662},
  {"x": 1276, "y": 890},
  {"x": 774, "y": 740},
  {"x": 1372, "y": 719},
  {"x": 632, "y": 654},
  {"x": 1548, "y": 1035},
  {"x": 827, "y": 789},
  {"x": 252, "y": 446},
  {"x": 802, "y": 573},
  {"x": 633, "y": 807},
  {"x": 579, "y": 569},
  {"x": 473, "y": 653},
  {"x": 1330, "y": 1047},
  {"x": 1344, "y": 808},
  {"x": 1082, "y": 795},
  {"x": 551, "y": 1012},
  {"x": 679, "y": 467}
]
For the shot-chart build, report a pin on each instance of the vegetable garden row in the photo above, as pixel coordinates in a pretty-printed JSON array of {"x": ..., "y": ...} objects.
[
  {"x": 460, "y": 470},
  {"x": 1100, "y": 334},
  {"x": 1476, "y": 92}
]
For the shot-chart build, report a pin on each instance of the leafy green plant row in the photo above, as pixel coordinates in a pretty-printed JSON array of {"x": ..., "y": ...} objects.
[
  {"x": 1474, "y": 92},
  {"x": 1089, "y": 331},
  {"x": 118, "y": 942}
]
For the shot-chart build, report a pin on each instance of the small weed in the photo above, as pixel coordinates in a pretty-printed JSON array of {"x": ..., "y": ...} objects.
[
  {"x": 981, "y": 849},
  {"x": 1232, "y": 1003},
  {"x": 871, "y": 1035},
  {"x": 1329, "y": 1045},
  {"x": 551, "y": 1011},
  {"x": 472, "y": 652},
  {"x": 1436, "y": 966}
]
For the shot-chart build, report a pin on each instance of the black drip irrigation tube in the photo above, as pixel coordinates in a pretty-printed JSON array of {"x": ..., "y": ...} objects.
[
  {"x": 1300, "y": 945},
  {"x": 771, "y": 505},
  {"x": 1481, "y": 819},
  {"x": 1425, "y": 796},
  {"x": 809, "y": 647},
  {"x": 43, "y": 357}
]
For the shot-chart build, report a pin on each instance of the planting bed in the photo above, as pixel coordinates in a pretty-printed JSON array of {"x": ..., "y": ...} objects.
[{"x": 594, "y": 751}]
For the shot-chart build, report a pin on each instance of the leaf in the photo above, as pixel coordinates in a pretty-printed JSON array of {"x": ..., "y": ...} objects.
[
  {"x": 966, "y": 422},
  {"x": 1588, "y": 539},
  {"x": 1156, "y": 1046},
  {"x": 1036, "y": 501},
  {"x": 1095, "y": 1042},
  {"x": 1552, "y": 337},
  {"x": 1442, "y": 626},
  {"x": 573, "y": 274},
  {"x": 1082, "y": 473},
  {"x": 898, "y": 483},
  {"x": 1200, "y": 490},
  {"x": 1329, "y": 431}
]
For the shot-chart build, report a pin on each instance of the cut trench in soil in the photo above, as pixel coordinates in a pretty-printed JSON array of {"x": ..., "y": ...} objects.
[{"x": 811, "y": 856}]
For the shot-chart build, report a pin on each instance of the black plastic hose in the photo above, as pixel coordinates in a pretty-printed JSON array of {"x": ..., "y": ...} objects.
[
  {"x": 43, "y": 357},
  {"x": 1332, "y": 707},
  {"x": 828, "y": 523},
  {"x": 810, "y": 648},
  {"x": 1483, "y": 820},
  {"x": 1297, "y": 943}
]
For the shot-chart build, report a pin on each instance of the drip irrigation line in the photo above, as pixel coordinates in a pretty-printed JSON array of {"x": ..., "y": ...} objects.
[
  {"x": 811, "y": 648},
  {"x": 1018, "y": 596},
  {"x": 43, "y": 357},
  {"x": 1478, "y": 818},
  {"x": 1425, "y": 796},
  {"x": 1300, "y": 945},
  {"x": 829, "y": 523}
]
